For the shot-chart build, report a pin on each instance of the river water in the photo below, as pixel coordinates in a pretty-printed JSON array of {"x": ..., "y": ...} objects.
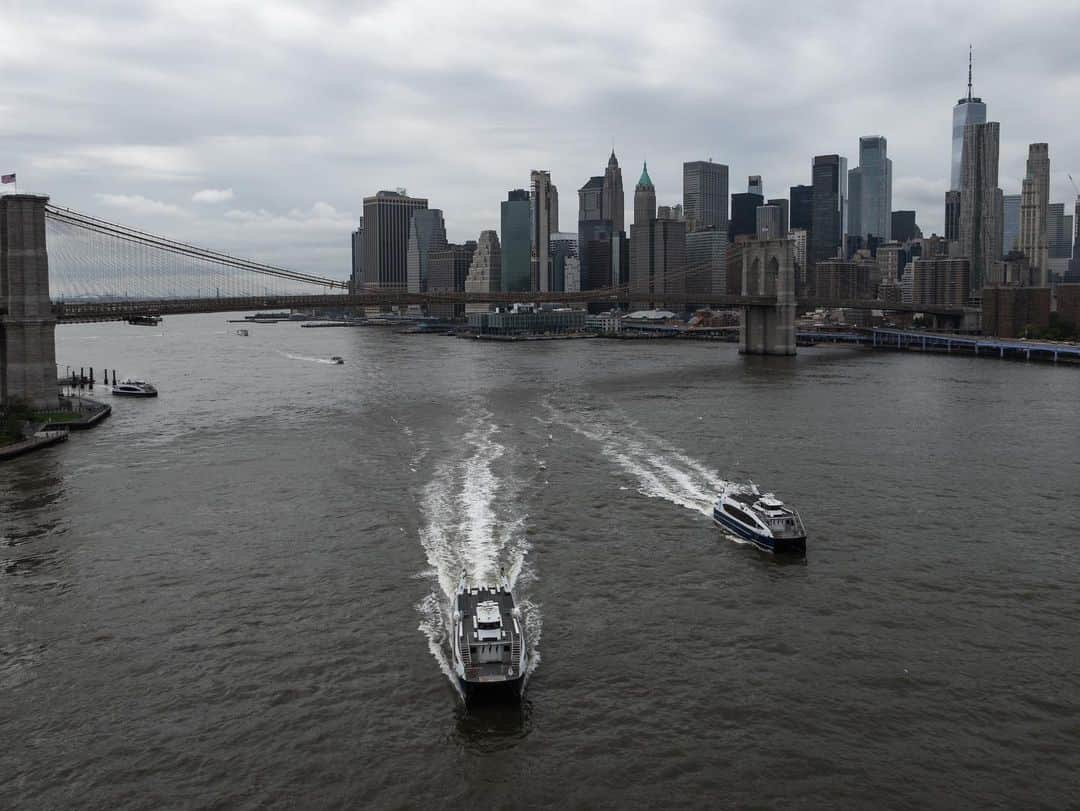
[{"x": 235, "y": 595}]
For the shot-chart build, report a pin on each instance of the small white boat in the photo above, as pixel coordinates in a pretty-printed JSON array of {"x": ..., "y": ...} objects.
[
  {"x": 243, "y": 332},
  {"x": 134, "y": 388},
  {"x": 337, "y": 359}
]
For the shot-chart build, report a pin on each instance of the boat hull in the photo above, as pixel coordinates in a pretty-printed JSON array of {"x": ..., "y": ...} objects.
[
  {"x": 766, "y": 543},
  {"x": 494, "y": 691},
  {"x": 134, "y": 393}
]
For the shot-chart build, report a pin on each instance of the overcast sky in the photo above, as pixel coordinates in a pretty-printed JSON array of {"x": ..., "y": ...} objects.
[{"x": 258, "y": 126}]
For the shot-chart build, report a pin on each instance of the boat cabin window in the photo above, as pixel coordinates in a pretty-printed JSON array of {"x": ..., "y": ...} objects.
[{"x": 740, "y": 515}]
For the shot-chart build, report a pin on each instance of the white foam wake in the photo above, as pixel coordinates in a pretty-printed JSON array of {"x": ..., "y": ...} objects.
[
  {"x": 660, "y": 469},
  {"x": 473, "y": 524}
]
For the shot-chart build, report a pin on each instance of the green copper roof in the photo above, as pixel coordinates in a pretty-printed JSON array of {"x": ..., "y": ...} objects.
[{"x": 645, "y": 179}]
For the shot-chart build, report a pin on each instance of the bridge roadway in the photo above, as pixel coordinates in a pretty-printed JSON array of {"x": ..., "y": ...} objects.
[{"x": 85, "y": 311}]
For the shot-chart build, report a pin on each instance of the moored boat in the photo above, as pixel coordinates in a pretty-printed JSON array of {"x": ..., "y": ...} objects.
[
  {"x": 134, "y": 388},
  {"x": 488, "y": 642},
  {"x": 762, "y": 519}
]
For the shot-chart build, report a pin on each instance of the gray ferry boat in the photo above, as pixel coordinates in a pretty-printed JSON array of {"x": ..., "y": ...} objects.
[{"x": 489, "y": 652}]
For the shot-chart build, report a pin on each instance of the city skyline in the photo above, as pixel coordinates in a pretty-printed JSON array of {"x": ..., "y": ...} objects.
[{"x": 275, "y": 162}]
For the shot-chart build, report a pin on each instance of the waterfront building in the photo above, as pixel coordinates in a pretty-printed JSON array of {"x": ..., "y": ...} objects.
[
  {"x": 870, "y": 190},
  {"x": 941, "y": 282},
  {"x": 890, "y": 258},
  {"x": 447, "y": 270},
  {"x": 1010, "y": 223},
  {"x": 981, "y": 202},
  {"x": 903, "y": 226},
  {"x": 835, "y": 279},
  {"x": 356, "y": 278},
  {"x": 744, "y": 215},
  {"x": 969, "y": 110},
  {"x": 572, "y": 274},
  {"x": 427, "y": 233},
  {"x": 562, "y": 247},
  {"x": 387, "y": 216},
  {"x": 1008, "y": 312},
  {"x": 544, "y": 222},
  {"x": 754, "y": 186},
  {"x": 769, "y": 223},
  {"x": 907, "y": 283},
  {"x": 706, "y": 263},
  {"x": 705, "y": 195},
  {"x": 528, "y": 321},
  {"x": 1034, "y": 204},
  {"x": 485, "y": 271},
  {"x": 799, "y": 244},
  {"x": 516, "y": 254},
  {"x": 952, "y": 216},
  {"x": 828, "y": 229}
]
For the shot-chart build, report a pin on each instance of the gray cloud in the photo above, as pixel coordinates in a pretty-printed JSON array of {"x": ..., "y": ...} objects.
[{"x": 141, "y": 110}]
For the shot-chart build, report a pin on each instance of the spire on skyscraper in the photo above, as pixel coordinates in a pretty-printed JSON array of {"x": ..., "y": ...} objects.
[
  {"x": 645, "y": 181},
  {"x": 613, "y": 161},
  {"x": 969, "y": 72}
]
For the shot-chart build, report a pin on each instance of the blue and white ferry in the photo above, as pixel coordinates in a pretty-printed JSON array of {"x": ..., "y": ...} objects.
[{"x": 764, "y": 520}]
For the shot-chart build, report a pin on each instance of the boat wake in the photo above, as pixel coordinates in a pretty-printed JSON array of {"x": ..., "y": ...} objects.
[
  {"x": 290, "y": 356},
  {"x": 473, "y": 524},
  {"x": 659, "y": 469}
]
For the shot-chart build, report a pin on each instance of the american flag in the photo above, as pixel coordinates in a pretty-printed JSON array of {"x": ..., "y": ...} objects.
[{"x": 7, "y": 178}]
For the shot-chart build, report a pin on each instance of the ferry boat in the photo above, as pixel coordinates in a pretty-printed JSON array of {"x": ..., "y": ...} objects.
[
  {"x": 489, "y": 654},
  {"x": 145, "y": 320},
  {"x": 133, "y": 388},
  {"x": 764, "y": 520},
  {"x": 337, "y": 359}
]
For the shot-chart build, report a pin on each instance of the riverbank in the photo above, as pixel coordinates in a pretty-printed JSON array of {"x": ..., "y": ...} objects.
[{"x": 41, "y": 439}]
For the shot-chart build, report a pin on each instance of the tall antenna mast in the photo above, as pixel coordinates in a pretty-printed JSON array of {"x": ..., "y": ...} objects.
[{"x": 969, "y": 72}]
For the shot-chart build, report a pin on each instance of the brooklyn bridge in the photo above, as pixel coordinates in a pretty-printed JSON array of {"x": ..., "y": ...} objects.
[{"x": 60, "y": 266}]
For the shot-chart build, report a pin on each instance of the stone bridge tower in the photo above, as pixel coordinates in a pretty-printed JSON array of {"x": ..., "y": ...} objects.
[
  {"x": 27, "y": 323},
  {"x": 768, "y": 328}
]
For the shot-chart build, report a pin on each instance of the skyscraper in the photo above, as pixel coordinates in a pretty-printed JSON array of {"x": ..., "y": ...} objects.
[
  {"x": 447, "y": 271},
  {"x": 1034, "y": 201},
  {"x": 904, "y": 227},
  {"x": 1058, "y": 232},
  {"x": 744, "y": 214},
  {"x": 357, "y": 241},
  {"x": 516, "y": 254},
  {"x": 657, "y": 262},
  {"x": 644, "y": 198},
  {"x": 387, "y": 216},
  {"x": 563, "y": 247},
  {"x": 485, "y": 271},
  {"x": 968, "y": 110},
  {"x": 802, "y": 207},
  {"x": 705, "y": 195},
  {"x": 828, "y": 228},
  {"x": 952, "y": 215},
  {"x": 754, "y": 185},
  {"x": 785, "y": 211},
  {"x": 427, "y": 233},
  {"x": 600, "y": 239},
  {"x": 1010, "y": 228},
  {"x": 870, "y": 190},
  {"x": 769, "y": 223},
  {"x": 591, "y": 200},
  {"x": 614, "y": 206},
  {"x": 545, "y": 222},
  {"x": 706, "y": 263},
  {"x": 981, "y": 202}
]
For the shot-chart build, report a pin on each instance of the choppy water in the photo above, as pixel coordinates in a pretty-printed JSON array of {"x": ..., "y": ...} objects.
[{"x": 236, "y": 595}]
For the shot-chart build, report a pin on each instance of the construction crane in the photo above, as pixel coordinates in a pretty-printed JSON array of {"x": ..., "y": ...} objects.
[{"x": 1075, "y": 189}]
